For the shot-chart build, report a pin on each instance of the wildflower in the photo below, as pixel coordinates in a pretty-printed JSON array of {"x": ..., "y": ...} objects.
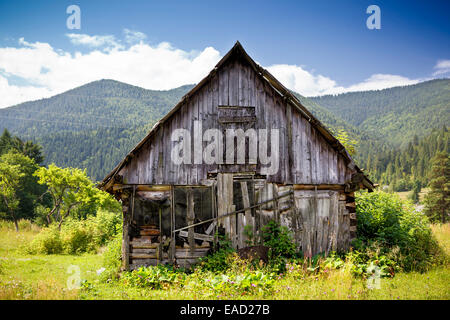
[
  {"x": 99, "y": 271},
  {"x": 253, "y": 285}
]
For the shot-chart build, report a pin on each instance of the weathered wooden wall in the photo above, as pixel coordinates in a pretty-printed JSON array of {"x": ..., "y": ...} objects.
[
  {"x": 320, "y": 220},
  {"x": 305, "y": 156}
]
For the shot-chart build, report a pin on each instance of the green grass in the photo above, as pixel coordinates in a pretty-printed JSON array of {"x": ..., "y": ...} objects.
[
  {"x": 24, "y": 276},
  {"x": 405, "y": 194}
]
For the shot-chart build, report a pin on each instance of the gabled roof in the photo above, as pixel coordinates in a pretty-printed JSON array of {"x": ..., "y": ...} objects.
[{"x": 266, "y": 76}]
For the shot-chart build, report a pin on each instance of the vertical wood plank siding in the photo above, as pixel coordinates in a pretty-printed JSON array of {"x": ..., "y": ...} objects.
[{"x": 313, "y": 161}]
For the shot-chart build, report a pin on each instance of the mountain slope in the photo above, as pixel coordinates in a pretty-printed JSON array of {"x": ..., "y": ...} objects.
[
  {"x": 92, "y": 126},
  {"x": 394, "y": 115},
  {"x": 95, "y": 125},
  {"x": 99, "y": 104}
]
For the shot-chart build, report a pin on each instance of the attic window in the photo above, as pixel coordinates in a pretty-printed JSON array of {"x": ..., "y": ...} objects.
[{"x": 236, "y": 114}]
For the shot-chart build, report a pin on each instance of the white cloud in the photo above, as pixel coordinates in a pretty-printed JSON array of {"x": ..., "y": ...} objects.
[
  {"x": 306, "y": 83},
  {"x": 107, "y": 41},
  {"x": 442, "y": 67},
  {"x": 54, "y": 71},
  {"x": 47, "y": 71},
  {"x": 132, "y": 36}
]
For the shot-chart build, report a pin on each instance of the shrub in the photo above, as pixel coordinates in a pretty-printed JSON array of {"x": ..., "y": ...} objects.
[
  {"x": 385, "y": 222},
  {"x": 77, "y": 236},
  {"x": 108, "y": 224},
  {"x": 279, "y": 239},
  {"x": 48, "y": 241},
  {"x": 112, "y": 258},
  {"x": 221, "y": 259}
]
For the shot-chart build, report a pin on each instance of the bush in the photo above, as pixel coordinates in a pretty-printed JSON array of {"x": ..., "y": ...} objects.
[
  {"x": 385, "y": 223},
  {"x": 281, "y": 246},
  {"x": 279, "y": 239},
  {"x": 48, "y": 241},
  {"x": 108, "y": 225},
  {"x": 77, "y": 236},
  {"x": 221, "y": 259},
  {"x": 112, "y": 258}
]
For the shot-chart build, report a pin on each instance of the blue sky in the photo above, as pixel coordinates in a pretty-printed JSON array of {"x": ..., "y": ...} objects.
[{"x": 324, "y": 42}]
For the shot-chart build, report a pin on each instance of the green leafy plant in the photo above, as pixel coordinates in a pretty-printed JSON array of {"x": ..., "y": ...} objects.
[
  {"x": 279, "y": 239},
  {"x": 157, "y": 277},
  {"x": 385, "y": 223}
]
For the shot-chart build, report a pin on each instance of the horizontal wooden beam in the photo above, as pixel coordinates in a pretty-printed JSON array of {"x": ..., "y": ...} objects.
[
  {"x": 197, "y": 236},
  {"x": 142, "y": 187},
  {"x": 319, "y": 186}
]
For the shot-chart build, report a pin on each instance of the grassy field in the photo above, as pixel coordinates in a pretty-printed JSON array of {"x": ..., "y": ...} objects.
[
  {"x": 24, "y": 276},
  {"x": 405, "y": 194}
]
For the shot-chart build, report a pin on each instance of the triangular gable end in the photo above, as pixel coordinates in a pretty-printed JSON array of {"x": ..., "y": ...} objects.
[{"x": 277, "y": 90}]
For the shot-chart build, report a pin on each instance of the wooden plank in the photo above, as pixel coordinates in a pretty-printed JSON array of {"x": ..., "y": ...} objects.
[
  {"x": 195, "y": 235},
  {"x": 246, "y": 219},
  {"x": 142, "y": 187},
  {"x": 318, "y": 186},
  {"x": 290, "y": 160},
  {"x": 147, "y": 256},
  {"x": 194, "y": 255},
  {"x": 190, "y": 218},
  {"x": 211, "y": 227},
  {"x": 143, "y": 250},
  {"x": 125, "y": 239},
  {"x": 233, "y": 83},
  {"x": 197, "y": 249}
]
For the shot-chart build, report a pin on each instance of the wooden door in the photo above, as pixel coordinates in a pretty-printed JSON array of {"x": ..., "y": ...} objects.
[{"x": 236, "y": 194}]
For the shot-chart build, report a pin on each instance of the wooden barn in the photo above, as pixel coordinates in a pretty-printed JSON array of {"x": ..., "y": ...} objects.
[{"x": 237, "y": 151}]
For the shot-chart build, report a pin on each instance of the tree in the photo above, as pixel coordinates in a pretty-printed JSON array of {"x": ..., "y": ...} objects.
[
  {"x": 437, "y": 201},
  {"x": 29, "y": 190},
  {"x": 414, "y": 196},
  {"x": 347, "y": 142},
  {"x": 70, "y": 188},
  {"x": 9, "y": 182},
  {"x": 27, "y": 148}
]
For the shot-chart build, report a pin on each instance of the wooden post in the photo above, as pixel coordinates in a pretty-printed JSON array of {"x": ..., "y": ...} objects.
[
  {"x": 172, "y": 226},
  {"x": 290, "y": 143},
  {"x": 125, "y": 235},
  {"x": 248, "y": 215},
  {"x": 160, "y": 246},
  {"x": 190, "y": 219},
  {"x": 276, "y": 204}
]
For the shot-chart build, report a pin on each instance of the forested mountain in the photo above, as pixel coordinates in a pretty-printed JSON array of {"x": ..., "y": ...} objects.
[
  {"x": 92, "y": 126},
  {"x": 394, "y": 115},
  {"x": 401, "y": 129},
  {"x": 402, "y": 168},
  {"x": 95, "y": 125}
]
